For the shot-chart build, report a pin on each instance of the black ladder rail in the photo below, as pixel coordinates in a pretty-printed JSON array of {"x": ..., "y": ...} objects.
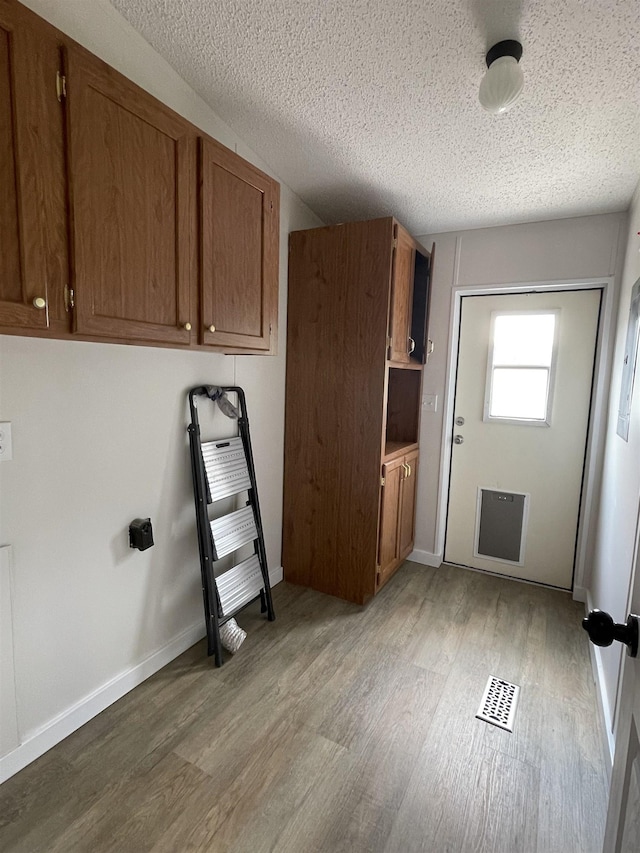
[
  {"x": 243, "y": 426},
  {"x": 214, "y": 615},
  {"x": 211, "y": 602}
]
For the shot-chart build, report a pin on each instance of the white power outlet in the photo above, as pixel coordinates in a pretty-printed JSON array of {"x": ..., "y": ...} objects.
[{"x": 6, "y": 445}]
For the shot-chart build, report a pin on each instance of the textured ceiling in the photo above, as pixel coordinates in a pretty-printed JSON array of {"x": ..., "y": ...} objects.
[{"x": 370, "y": 107}]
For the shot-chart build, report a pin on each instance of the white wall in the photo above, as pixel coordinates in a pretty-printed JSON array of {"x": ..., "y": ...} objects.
[
  {"x": 99, "y": 438},
  {"x": 566, "y": 249},
  {"x": 620, "y": 497}
]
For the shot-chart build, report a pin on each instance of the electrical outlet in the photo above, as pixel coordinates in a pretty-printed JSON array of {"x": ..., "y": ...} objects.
[
  {"x": 6, "y": 446},
  {"x": 430, "y": 402}
]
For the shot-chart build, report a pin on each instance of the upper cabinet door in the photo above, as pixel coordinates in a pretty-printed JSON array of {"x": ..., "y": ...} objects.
[
  {"x": 239, "y": 235},
  {"x": 131, "y": 169},
  {"x": 401, "y": 297},
  {"x": 33, "y": 256}
]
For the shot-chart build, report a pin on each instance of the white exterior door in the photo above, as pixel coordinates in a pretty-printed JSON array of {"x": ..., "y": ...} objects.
[{"x": 523, "y": 397}]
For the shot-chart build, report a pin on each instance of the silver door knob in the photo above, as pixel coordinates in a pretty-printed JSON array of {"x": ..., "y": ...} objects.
[{"x": 458, "y": 439}]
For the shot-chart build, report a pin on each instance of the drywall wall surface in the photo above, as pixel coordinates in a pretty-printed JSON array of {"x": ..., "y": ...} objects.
[
  {"x": 564, "y": 249},
  {"x": 99, "y": 438},
  {"x": 620, "y": 491}
]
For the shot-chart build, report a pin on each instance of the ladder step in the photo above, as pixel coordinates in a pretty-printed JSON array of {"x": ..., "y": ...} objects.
[
  {"x": 240, "y": 584},
  {"x": 226, "y": 467},
  {"x": 232, "y": 531}
]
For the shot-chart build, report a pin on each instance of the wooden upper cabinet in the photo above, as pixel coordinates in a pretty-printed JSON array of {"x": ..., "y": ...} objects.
[
  {"x": 401, "y": 296},
  {"x": 131, "y": 175},
  {"x": 239, "y": 226},
  {"x": 33, "y": 254}
]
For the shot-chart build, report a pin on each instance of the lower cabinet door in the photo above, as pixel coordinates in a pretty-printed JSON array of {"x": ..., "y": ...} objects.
[
  {"x": 407, "y": 511},
  {"x": 392, "y": 477},
  {"x": 397, "y": 514}
]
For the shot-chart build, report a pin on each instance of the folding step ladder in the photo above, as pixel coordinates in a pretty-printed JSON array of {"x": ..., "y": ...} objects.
[{"x": 223, "y": 468}]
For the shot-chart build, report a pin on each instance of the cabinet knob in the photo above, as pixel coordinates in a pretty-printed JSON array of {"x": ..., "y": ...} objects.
[
  {"x": 187, "y": 327},
  {"x": 412, "y": 345},
  {"x": 212, "y": 328},
  {"x": 39, "y": 303}
]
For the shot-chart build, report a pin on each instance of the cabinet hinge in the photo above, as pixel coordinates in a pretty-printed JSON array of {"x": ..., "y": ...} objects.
[
  {"x": 61, "y": 86},
  {"x": 69, "y": 298},
  {"x": 382, "y": 481},
  {"x": 394, "y": 243},
  {"x": 377, "y": 578}
]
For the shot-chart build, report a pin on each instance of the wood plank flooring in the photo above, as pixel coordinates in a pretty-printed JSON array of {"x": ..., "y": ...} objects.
[{"x": 338, "y": 728}]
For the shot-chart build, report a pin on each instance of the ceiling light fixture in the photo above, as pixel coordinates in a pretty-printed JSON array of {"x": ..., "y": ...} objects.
[{"x": 503, "y": 80}]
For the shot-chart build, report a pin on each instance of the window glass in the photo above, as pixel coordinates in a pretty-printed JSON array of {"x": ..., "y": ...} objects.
[
  {"x": 521, "y": 366},
  {"x": 523, "y": 339},
  {"x": 519, "y": 393}
]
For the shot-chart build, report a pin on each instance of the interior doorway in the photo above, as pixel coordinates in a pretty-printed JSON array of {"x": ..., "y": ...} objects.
[{"x": 523, "y": 400}]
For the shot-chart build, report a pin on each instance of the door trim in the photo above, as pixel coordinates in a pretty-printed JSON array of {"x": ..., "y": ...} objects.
[{"x": 597, "y": 415}]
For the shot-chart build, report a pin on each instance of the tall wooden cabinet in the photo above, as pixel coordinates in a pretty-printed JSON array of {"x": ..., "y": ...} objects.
[{"x": 356, "y": 345}]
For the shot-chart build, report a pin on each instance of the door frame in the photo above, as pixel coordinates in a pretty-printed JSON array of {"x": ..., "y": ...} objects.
[{"x": 597, "y": 413}]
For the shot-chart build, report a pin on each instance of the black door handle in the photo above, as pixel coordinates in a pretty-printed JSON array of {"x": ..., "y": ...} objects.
[{"x": 602, "y": 630}]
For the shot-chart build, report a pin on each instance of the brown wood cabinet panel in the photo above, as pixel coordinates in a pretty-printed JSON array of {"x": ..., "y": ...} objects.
[
  {"x": 401, "y": 296},
  {"x": 239, "y": 218},
  {"x": 33, "y": 259},
  {"x": 336, "y": 359},
  {"x": 131, "y": 177}
]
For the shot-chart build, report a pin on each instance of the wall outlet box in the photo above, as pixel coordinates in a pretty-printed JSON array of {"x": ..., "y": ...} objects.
[{"x": 6, "y": 446}]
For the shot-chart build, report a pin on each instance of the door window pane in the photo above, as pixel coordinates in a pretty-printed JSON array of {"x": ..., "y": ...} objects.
[
  {"x": 521, "y": 367},
  {"x": 519, "y": 393},
  {"x": 523, "y": 339}
]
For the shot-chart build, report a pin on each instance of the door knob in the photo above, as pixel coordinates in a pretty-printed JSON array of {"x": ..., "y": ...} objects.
[
  {"x": 458, "y": 439},
  {"x": 459, "y": 421},
  {"x": 602, "y": 630}
]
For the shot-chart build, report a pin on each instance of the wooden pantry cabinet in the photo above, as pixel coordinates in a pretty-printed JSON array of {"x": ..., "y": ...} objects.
[
  {"x": 356, "y": 346},
  {"x": 114, "y": 227}
]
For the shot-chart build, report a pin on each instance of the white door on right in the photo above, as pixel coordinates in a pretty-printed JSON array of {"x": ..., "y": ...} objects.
[{"x": 523, "y": 398}]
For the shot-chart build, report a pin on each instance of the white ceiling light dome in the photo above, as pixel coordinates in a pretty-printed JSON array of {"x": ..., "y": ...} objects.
[{"x": 503, "y": 81}]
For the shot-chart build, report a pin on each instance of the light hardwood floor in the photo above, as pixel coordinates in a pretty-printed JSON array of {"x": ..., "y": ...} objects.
[{"x": 338, "y": 728}]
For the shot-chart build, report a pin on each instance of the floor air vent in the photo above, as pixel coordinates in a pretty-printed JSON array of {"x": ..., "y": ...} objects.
[{"x": 499, "y": 702}]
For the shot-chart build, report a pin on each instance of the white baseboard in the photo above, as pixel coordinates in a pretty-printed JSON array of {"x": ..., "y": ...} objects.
[
  {"x": 426, "y": 558},
  {"x": 276, "y": 575},
  {"x": 603, "y": 702},
  {"x": 61, "y": 726},
  {"x": 580, "y": 593}
]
